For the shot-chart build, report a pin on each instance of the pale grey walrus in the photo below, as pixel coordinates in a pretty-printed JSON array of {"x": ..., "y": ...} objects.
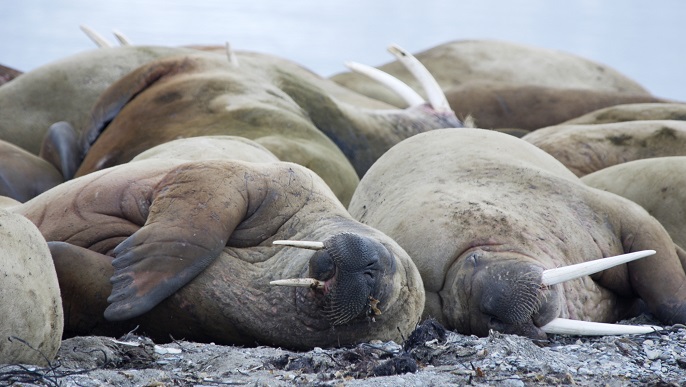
[
  {"x": 186, "y": 249},
  {"x": 657, "y": 184},
  {"x": 30, "y": 305},
  {"x": 484, "y": 215}
]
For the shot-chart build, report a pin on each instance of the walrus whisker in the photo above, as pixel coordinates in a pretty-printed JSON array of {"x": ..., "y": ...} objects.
[
  {"x": 299, "y": 282},
  {"x": 98, "y": 39},
  {"x": 121, "y": 38},
  {"x": 403, "y": 90},
  {"x": 564, "y": 326},
  {"x": 432, "y": 89},
  {"x": 300, "y": 244},
  {"x": 566, "y": 273}
]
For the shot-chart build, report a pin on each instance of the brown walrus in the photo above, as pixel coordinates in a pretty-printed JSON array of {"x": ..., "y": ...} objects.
[
  {"x": 588, "y": 148},
  {"x": 297, "y": 115},
  {"x": 24, "y": 175},
  {"x": 484, "y": 215},
  {"x": 633, "y": 112},
  {"x": 461, "y": 61},
  {"x": 496, "y": 105},
  {"x": 188, "y": 249}
]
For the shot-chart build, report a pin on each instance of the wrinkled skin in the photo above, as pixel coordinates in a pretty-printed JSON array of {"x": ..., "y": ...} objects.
[
  {"x": 482, "y": 214},
  {"x": 588, "y": 148},
  {"x": 657, "y": 184},
  {"x": 185, "y": 249},
  {"x": 65, "y": 90},
  {"x": 297, "y": 115},
  {"x": 458, "y": 62},
  {"x": 495, "y": 105},
  {"x": 24, "y": 175}
]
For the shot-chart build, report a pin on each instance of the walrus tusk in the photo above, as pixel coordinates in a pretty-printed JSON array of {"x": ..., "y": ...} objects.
[
  {"x": 121, "y": 38},
  {"x": 411, "y": 97},
  {"x": 233, "y": 59},
  {"x": 95, "y": 37},
  {"x": 301, "y": 244},
  {"x": 299, "y": 282},
  {"x": 431, "y": 87},
  {"x": 563, "y": 326},
  {"x": 566, "y": 273}
]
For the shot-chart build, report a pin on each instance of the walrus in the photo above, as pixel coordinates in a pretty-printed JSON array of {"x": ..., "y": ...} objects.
[
  {"x": 24, "y": 175},
  {"x": 657, "y": 184},
  {"x": 588, "y": 148},
  {"x": 507, "y": 105},
  {"x": 485, "y": 216},
  {"x": 633, "y": 112},
  {"x": 458, "y": 62},
  {"x": 209, "y": 148},
  {"x": 66, "y": 90},
  {"x": 32, "y": 319},
  {"x": 185, "y": 249},
  {"x": 284, "y": 107}
]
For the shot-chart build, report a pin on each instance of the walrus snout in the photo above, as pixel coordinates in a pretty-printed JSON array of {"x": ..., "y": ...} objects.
[
  {"x": 512, "y": 294},
  {"x": 348, "y": 268}
]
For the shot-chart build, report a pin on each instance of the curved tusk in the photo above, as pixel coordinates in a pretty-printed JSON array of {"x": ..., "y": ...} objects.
[
  {"x": 301, "y": 244},
  {"x": 563, "y": 326},
  {"x": 233, "y": 59},
  {"x": 566, "y": 273},
  {"x": 95, "y": 37},
  {"x": 121, "y": 38},
  {"x": 431, "y": 87},
  {"x": 299, "y": 282},
  {"x": 411, "y": 97}
]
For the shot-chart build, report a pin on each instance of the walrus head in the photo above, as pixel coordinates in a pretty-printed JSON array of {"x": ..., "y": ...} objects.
[
  {"x": 503, "y": 292},
  {"x": 346, "y": 270}
]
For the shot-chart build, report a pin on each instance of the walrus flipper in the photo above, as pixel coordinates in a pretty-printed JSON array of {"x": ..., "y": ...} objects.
[
  {"x": 189, "y": 223},
  {"x": 120, "y": 93}
]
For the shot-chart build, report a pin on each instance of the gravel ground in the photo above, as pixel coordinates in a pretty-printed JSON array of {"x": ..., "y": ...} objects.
[{"x": 430, "y": 356}]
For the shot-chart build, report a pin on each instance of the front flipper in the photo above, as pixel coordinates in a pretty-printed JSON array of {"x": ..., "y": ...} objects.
[
  {"x": 60, "y": 147},
  {"x": 191, "y": 218},
  {"x": 120, "y": 93}
]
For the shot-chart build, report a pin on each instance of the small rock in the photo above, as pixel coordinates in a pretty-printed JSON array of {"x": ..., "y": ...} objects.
[{"x": 652, "y": 354}]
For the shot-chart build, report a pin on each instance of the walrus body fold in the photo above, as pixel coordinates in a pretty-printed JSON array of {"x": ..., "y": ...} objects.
[{"x": 184, "y": 249}]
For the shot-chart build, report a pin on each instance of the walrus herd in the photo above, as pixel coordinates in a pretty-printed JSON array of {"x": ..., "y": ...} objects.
[{"x": 239, "y": 198}]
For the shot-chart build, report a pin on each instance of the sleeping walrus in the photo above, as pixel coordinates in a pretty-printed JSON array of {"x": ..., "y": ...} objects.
[
  {"x": 296, "y": 114},
  {"x": 185, "y": 248},
  {"x": 657, "y": 184},
  {"x": 484, "y": 215}
]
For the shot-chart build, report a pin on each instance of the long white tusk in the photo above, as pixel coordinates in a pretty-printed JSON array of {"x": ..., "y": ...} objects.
[
  {"x": 431, "y": 87},
  {"x": 299, "y": 282},
  {"x": 301, "y": 244},
  {"x": 233, "y": 59},
  {"x": 121, "y": 38},
  {"x": 566, "y": 273},
  {"x": 563, "y": 326},
  {"x": 411, "y": 97},
  {"x": 95, "y": 37}
]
